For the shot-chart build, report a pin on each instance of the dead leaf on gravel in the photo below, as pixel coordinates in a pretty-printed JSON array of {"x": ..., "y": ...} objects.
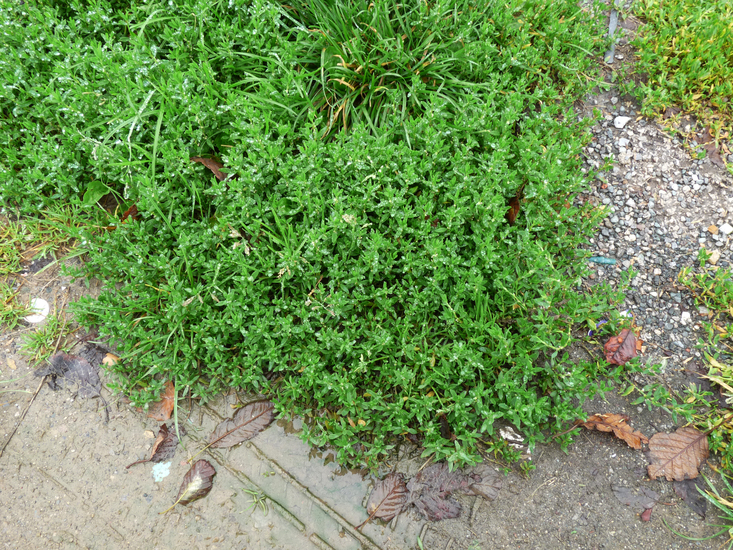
[
  {"x": 677, "y": 456},
  {"x": 618, "y": 424},
  {"x": 214, "y": 165},
  {"x": 164, "y": 446},
  {"x": 713, "y": 153},
  {"x": 246, "y": 423},
  {"x": 162, "y": 410},
  {"x": 689, "y": 491},
  {"x": 387, "y": 499},
  {"x": 196, "y": 483},
  {"x": 638, "y": 499},
  {"x": 622, "y": 348}
]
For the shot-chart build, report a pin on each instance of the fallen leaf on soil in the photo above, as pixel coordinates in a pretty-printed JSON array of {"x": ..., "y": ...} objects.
[
  {"x": 618, "y": 424},
  {"x": 164, "y": 446},
  {"x": 110, "y": 359},
  {"x": 638, "y": 500},
  {"x": 213, "y": 165},
  {"x": 489, "y": 484},
  {"x": 387, "y": 499},
  {"x": 73, "y": 370},
  {"x": 677, "y": 456},
  {"x": 246, "y": 423},
  {"x": 689, "y": 491},
  {"x": 162, "y": 410},
  {"x": 196, "y": 483},
  {"x": 430, "y": 491},
  {"x": 620, "y": 349},
  {"x": 76, "y": 373},
  {"x": 646, "y": 515}
]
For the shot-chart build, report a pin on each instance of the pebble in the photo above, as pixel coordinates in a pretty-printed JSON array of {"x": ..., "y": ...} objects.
[
  {"x": 621, "y": 121},
  {"x": 726, "y": 229}
]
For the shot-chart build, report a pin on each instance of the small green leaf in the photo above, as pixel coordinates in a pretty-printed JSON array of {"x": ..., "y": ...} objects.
[{"x": 95, "y": 191}]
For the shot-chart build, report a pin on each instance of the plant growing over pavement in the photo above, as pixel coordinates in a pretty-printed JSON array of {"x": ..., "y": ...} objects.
[{"x": 356, "y": 261}]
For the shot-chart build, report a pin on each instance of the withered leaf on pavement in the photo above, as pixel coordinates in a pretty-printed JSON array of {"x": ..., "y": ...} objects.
[
  {"x": 246, "y": 423},
  {"x": 75, "y": 373},
  {"x": 689, "y": 491},
  {"x": 164, "y": 446},
  {"x": 196, "y": 483},
  {"x": 214, "y": 165},
  {"x": 387, "y": 499},
  {"x": 638, "y": 499},
  {"x": 162, "y": 410},
  {"x": 618, "y": 424},
  {"x": 622, "y": 348},
  {"x": 677, "y": 456}
]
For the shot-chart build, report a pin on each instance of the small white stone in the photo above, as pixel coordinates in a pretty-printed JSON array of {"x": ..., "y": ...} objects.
[
  {"x": 631, "y": 203},
  {"x": 623, "y": 142},
  {"x": 621, "y": 121},
  {"x": 40, "y": 309},
  {"x": 725, "y": 229},
  {"x": 685, "y": 317}
]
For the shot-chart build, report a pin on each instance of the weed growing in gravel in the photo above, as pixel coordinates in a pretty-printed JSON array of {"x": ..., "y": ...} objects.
[
  {"x": 357, "y": 261},
  {"x": 11, "y": 310},
  {"x": 713, "y": 288},
  {"x": 686, "y": 49}
]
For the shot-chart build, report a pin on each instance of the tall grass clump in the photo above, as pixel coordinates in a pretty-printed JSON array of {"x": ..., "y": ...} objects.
[{"x": 356, "y": 262}]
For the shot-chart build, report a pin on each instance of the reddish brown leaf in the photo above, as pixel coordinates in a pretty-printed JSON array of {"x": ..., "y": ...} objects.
[
  {"x": 618, "y": 424},
  {"x": 164, "y": 446},
  {"x": 213, "y": 165},
  {"x": 513, "y": 212},
  {"x": 246, "y": 423},
  {"x": 622, "y": 348},
  {"x": 196, "y": 483},
  {"x": 131, "y": 213},
  {"x": 430, "y": 491},
  {"x": 162, "y": 410},
  {"x": 677, "y": 456},
  {"x": 388, "y": 497},
  {"x": 646, "y": 515}
]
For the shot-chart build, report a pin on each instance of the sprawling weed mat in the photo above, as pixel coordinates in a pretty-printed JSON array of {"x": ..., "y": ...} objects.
[{"x": 355, "y": 257}]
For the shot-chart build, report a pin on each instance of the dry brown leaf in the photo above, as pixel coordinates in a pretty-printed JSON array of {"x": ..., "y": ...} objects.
[
  {"x": 196, "y": 483},
  {"x": 213, "y": 165},
  {"x": 162, "y": 410},
  {"x": 513, "y": 212},
  {"x": 164, "y": 446},
  {"x": 620, "y": 349},
  {"x": 618, "y": 424},
  {"x": 677, "y": 456},
  {"x": 387, "y": 499},
  {"x": 246, "y": 423}
]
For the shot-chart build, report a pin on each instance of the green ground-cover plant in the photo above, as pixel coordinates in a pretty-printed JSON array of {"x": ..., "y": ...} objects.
[
  {"x": 356, "y": 263},
  {"x": 686, "y": 50}
]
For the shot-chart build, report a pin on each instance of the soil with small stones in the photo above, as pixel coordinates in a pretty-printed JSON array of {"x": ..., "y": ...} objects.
[{"x": 62, "y": 478}]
